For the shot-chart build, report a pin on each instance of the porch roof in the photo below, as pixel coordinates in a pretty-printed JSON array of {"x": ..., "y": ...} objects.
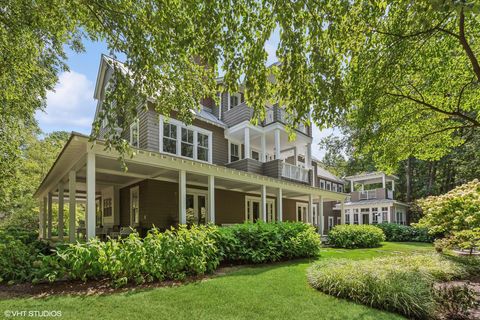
[{"x": 153, "y": 165}]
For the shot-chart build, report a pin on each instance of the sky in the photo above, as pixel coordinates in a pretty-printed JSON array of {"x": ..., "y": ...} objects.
[{"x": 71, "y": 106}]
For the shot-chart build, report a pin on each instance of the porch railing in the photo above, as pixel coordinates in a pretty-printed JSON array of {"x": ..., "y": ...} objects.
[
  {"x": 369, "y": 194},
  {"x": 293, "y": 172}
]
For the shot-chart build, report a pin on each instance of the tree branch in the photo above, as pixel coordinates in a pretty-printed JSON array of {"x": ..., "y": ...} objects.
[
  {"x": 466, "y": 46},
  {"x": 456, "y": 114},
  {"x": 446, "y": 129}
]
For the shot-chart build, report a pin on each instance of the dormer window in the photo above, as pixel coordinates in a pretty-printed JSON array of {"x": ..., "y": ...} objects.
[
  {"x": 233, "y": 101},
  {"x": 134, "y": 134}
]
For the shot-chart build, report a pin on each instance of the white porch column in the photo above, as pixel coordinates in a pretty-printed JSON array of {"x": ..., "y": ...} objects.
[
  {"x": 90, "y": 214},
  {"x": 342, "y": 212},
  {"x": 43, "y": 218},
  {"x": 393, "y": 185},
  {"x": 72, "y": 182},
  {"x": 50, "y": 215},
  {"x": 246, "y": 143},
  {"x": 308, "y": 156},
  {"x": 279, "y": 204},
  {"x": 60, "y": 211},
  {"x": 389, "y": 216},
  {"x": 277, "y": 143},
  {"x": 263, "y": 153},
  {"x": 384, "y": 185},
  {"x": 295, "y": 155},
  {"x": 321, "y": 221},
  {"x": 211, "y": 199},
  {"x": 310, "y": 209},
  {"x": 263, "y": 203},
  {"x": 182, "y": 197}
]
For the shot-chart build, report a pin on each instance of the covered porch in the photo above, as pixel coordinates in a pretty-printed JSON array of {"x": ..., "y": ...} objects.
[{"x": 162, "y": 191}]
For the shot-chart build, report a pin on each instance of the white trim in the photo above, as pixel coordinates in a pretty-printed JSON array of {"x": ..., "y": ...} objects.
[
  {"x": 135, "y": 123},
  {"x": 259, "y": 200},
  {"x": 304, "y": 214},
  {"x": 135, "y": 189}
]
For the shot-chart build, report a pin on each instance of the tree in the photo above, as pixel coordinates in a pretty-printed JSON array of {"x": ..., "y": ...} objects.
[
  {"x": 406, "y": 72},
  {"x": 454, "y": 211}
]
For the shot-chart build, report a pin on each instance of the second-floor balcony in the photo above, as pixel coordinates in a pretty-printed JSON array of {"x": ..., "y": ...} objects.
[
  {"x": 275, "y": 169},
  {"x": 379, "y": 193},
  {"x": 277, "y": 114}
]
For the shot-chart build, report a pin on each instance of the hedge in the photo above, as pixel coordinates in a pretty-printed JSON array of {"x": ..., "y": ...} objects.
[
  {"x": 355, "y": 236},
  {"x": 400, "y": 233}
]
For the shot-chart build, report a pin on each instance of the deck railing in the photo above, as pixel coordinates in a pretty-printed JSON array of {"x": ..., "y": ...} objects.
[
  {"x": 293, "y": 172},
  {"x": 369, "y": 194}
]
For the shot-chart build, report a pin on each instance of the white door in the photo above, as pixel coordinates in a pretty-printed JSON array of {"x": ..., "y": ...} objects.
[
  {"x": 302, "y": 212},
  {"x": 196, "y": 207},
  {"x": 253, "y": 209}
]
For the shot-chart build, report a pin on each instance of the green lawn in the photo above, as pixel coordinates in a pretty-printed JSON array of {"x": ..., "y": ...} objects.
[{"x": 278, "y": 291}]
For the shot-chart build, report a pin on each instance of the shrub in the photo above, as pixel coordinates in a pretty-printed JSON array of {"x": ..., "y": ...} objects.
[
  {"x": 19, "y": 249},
  {"x": 355, "y": 236},
  {"x": 398, "y": 233},
  {"x": 266, "y": 242},
  {"x": 455, "y": 301},
  {"x": 454, "y": 211},
  {"x": 465, "y": 240},
  {"x": 403, "y": 284}
]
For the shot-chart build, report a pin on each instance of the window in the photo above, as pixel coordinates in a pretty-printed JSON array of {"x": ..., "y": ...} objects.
[
  {"x": 335, "y": 187},
  {"x": 330, "y": 223},
  {"x": 340, "y": 188},
  {"x": 329, "y": 185},
  {"x": 355, "y": 216},
  {"x": 374, "y": 215},
  {"x": 233, "y": 100},
  {"x": 384, "y": 214},
  {"x": 347, "y": 218},
  {"x": 339, "y": 220},
  {"x": 187, "y": 143},
  {"x": 134, "y": 133},
  {"x": 322, "y": 184},
  {"x": 255, "y": 155},
  {"x": 134, "y": 206},
  {"x": 170, "y": 138},
  {"x": 234, "y": 152},
  {"x": 107, "y": 207},
  {"x": 202, "y": 147}
]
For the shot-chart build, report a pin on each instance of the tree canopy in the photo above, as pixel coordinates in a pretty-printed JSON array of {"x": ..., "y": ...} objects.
[{"x": 405, "y": 72}]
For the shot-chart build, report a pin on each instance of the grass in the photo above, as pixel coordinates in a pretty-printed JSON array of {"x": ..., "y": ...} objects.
[{"x": 278, "y": 291}]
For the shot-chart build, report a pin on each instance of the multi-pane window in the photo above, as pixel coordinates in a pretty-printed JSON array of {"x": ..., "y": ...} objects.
[
  {"x": 347, "y": 218},
  {"x": 355, "y": 216},
  {"x": 322, "y": 184},
  {"x": 255, "y": 155},
  {"x": 170, "y": 138},
  {"x": 374, "y": 215},
  {"x": 384, "y": 214},
  {"x": 340, "y": 188},
  {"x": 134, "y": 133},
  {"x": 329, "y": 185},
  {"x": 233, "y": 101},
  {"x": 134, "y": 206},
  {"x": 187, "y": 143},
  {"x": 335, "y": 187},
  {"x": 234, "y": 152},
  {"x": 330, "y": 223},
  {"x": 202, "y": 147}
]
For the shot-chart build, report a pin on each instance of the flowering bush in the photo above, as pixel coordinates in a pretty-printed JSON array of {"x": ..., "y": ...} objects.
[{"x": 456, "y": 210}]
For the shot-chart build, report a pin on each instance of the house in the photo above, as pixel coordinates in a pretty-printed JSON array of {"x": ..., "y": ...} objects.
[
  {"x": 220, "y": 169},
  {"x": 372, "y": 200}
]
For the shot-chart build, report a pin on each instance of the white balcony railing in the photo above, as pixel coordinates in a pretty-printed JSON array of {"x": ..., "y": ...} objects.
[
  {"x": 290, "y": 171},
  {"x": 367, "y": 195}
]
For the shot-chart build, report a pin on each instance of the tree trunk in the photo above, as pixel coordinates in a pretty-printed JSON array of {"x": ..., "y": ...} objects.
[
  {"x": 409, "y": 171},
  {"x": 432, "y": 173}
]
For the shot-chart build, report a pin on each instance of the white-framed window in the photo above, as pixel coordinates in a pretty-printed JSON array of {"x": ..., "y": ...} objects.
[
  {"x": 347, "y": 218},
  {"x": 335, "y": 187},
  {"x": 339, "y": 220},
  {"x": 234, "y": 152},
  {"x": 185, "y": 141},
  {"x": 340, "y": 188},
  {"x": 134, "y": 206},
  {"x": 330, "y": 223},
  {"x": 374, "y": 215},
  {"x": 400, "y": 217},
  {"x": 329, "y": 185},
  {"x": 384, "y": 214},
  {"x": 234, "y": 100},
  {"x": 355, "y": 216},
  {"x": 322, "y": 184},
  {"x": 169, "y": 138},
  {"x": 135, "y": 133},
  {"x": 255, "y": 155},
  {"x": 253, "y": 210},
  {"x": 302, "y": 212},
  {"x": 202, "y": 146}
]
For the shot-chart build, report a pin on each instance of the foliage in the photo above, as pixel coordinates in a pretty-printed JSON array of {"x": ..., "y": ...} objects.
[
  {"x": 464, "y": 240},
  {"x": 455, "y": 301},
  {"x": 397, "y": 233},
  {"x": 16, "y": 196},
  {"x": 266, "y": 242},
  {"x": 402, "y": 283},
  {"x": 19, "y": 249},
  {"x": 454, "y": 211},
  {"x": 355, "y": 236}
]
